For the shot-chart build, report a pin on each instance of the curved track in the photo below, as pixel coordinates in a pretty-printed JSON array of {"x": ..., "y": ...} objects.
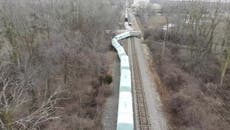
[
  {"x": 139, "y": 105},
  {"x": 125, "y": 118}
]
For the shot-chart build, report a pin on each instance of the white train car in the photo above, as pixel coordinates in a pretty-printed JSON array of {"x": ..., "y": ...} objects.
[
  {"x": 128, "y": 27},
  {"x": 122, "y": 36},
  {"x": 125, "y": 119},
  {"x": 135, "y": 34},
  {"x": 121, "y": 51},
  {"x": 124, "y": 62},
  {"x": 115, "y": 43},
  {"x": 125, "y": 111},
  {"x": 125, "y": 81}
]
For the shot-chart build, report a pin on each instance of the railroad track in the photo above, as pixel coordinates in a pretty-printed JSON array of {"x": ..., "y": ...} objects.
[{"x": 141, "y": 112}]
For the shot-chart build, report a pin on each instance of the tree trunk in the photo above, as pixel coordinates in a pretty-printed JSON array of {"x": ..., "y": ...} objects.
[{"x": 225, "y": 67}]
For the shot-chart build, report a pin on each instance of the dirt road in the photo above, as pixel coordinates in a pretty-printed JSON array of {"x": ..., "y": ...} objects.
[
  {"x": 152, "y": 101},
  {"x": 109, "y": 117}
]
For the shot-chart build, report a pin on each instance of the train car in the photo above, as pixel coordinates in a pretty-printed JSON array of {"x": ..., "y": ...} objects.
[
  {"x": 126, "y": 24},
  {"x": 115, "y": 43},
  {"x": 135, "y": 34},
  {"x": 125, "y": 112},
  {"x": 124, "y": 62},
  {"x": 125, "y": 80},
  {"x": 122, "y": 36},
  {"x": 125, "y": 119},
  {"x": 121, "y": 51},
  {"x": 128, "y": 27}
]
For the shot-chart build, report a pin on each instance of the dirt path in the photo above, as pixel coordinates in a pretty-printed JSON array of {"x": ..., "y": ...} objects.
[
  {"x": 156, "y": 115},
  {"x": 109, "y": 117}
]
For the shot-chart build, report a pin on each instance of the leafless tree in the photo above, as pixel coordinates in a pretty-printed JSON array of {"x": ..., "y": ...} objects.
[
  {"x": 15, "y": 96},
  {"x": 227, "y": 50},
  {"x": 53, "y": 51}
]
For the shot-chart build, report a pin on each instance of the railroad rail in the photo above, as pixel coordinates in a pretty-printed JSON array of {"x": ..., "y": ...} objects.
[
  {"x": 141, "y": 112},
  {"x": 125, "y": 119},
  {"x": 130, "y": 89}
]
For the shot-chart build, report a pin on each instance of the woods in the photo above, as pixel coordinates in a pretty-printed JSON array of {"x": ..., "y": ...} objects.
[
  {"x": 201, "y": 28},
  {"x": 192, "y": 61},
  {"x": 52, "y": 58}
]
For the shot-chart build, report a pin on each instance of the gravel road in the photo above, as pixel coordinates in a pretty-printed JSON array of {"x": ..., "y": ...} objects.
[
  {"x": 154, "y": 105},
  {"x": 109, "y": 117},
  {"x": 156, "y": 115}
]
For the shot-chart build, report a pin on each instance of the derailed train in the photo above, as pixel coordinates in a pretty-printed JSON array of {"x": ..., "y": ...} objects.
[
  {"x": 125, "y": 116},
  {"x": 125, "y": 105}
]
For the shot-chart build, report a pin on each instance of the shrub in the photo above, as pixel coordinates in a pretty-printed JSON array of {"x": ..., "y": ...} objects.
[
  {"x": 153, "y": 34},
  {"x": 177, "y": 104},
  {"x": 108, "y": 79},
  {"x": 174, "y": 77}
]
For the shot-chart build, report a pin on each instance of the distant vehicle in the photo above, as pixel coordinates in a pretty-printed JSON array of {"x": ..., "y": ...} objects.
[
  {"x": 169, "y": 26},
  {"x": 126, "y": 20},
  {"x": 130, "y": 24}
]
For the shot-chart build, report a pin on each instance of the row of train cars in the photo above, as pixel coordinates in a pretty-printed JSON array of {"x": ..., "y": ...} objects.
[{"x": 125, "y": 115}]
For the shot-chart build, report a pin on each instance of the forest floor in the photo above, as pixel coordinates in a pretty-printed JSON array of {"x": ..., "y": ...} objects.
[{"x": 189, "y": 102}]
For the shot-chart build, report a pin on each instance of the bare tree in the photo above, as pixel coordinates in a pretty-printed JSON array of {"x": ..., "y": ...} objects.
[
  {"x": 55, "y": 51},
  {"x": 227, "y": 50},
  {"x": 15, "y": 96}
]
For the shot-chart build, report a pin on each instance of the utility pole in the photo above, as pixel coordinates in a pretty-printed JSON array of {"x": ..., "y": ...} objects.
[
  {"x": 78, "y": 14},
  {"x": 165, "y": 38},
  {"x": 126, "y": 9}
]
